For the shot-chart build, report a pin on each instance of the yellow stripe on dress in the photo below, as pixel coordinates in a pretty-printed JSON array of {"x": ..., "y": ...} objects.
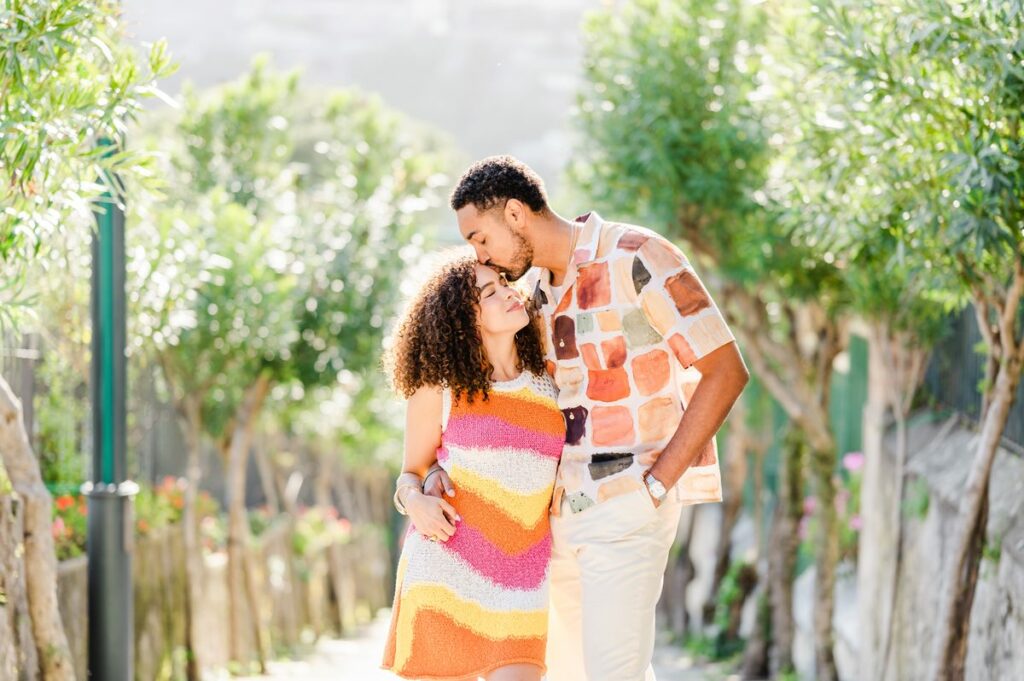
[{"x": 525, "y": 509}]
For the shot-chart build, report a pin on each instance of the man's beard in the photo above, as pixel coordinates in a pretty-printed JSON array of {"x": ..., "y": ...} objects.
[{"x": 522, "y": 260}]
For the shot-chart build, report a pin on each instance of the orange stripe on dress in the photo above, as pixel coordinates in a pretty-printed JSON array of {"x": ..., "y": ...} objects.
[
  {"x": 460, "y": 651},
  {"x": 517, "y": 412},
  {"x": 496, "y": 527}
]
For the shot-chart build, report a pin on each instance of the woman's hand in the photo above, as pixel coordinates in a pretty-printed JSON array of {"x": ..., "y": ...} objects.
[
  {"x": 432, "y": 517},
  {"x": 438, "y": 484}
]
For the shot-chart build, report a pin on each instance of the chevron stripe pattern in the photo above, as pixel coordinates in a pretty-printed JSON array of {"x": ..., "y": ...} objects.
[{"x": 479, "y": 601}]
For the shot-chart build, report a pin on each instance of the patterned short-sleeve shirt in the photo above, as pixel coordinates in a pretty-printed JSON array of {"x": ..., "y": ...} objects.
[{"x": 632, "y": 318}]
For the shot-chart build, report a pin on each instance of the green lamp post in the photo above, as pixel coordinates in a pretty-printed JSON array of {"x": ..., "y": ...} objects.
[{"x": 110, "y": 526}]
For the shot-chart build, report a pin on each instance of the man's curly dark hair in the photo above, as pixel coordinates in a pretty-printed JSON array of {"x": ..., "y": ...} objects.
[
  {"x": 437, "y": 340},
  {"x": 497, "y": 179}
]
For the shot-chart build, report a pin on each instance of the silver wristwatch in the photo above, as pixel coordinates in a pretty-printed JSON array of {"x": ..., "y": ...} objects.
[{"x": 655, "y": 487}]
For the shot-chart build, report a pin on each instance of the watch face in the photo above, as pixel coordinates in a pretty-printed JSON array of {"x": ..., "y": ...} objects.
[{"x": 656, "y": 488}]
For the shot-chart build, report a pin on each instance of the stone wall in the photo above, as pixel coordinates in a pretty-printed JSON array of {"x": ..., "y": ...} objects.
[
  {"x": 939, "y": 454},
  {"x": 938, "y": 464}
]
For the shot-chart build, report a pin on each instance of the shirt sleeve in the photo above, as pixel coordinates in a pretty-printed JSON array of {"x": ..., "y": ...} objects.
[{"x": 676, "y": 303}]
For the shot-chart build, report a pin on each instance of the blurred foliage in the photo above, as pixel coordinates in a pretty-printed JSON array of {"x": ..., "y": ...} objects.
[
  {"x": 841, "y": 214},
  {"x": 281, "y": 247},
  {"x": 159, "y": 506},
  {"x": 154, "y": 508},
  {"x": 676, "y": 134},
  {"x": 317, "y": 527},
  {"x": 61, "y": 410},
  {"x": 667, "y": 116},
  {"x": 940, "y": 86},
  {"x": 864, "y": 157},
  {"x": 848, "y": 485},
  {"x": 67, "y": 79},
  {"x": 69, "y": 525}
]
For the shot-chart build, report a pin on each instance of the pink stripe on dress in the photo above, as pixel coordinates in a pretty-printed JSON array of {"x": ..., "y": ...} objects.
[
  {"x": 471, "y": 430},
  {"x": 525, "y": 571}
]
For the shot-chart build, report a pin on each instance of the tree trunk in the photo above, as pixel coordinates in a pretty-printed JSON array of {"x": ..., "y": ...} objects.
[
  {"x": 735, "y": 477},
  {"x": 961, "y": 573},
  {"x": 267, "y": 479},
  {"x": 895, "y": 552},
  {"x": 876, "y": 497},
  {"x": 192, "y": 418},
  {"x": 240, "y": 588},
  {"x": 755, "y": 653},
  {"x": 782, "y": 553},
  {"x": 17, "y": 646},
  {"x": 896, "y": 364},
  {"x": 335, "y": 561},
  {"x": 755, "y": 663},
  {"x": 343, "y": 488},
  {"x": 746, "y": 582},
  {"x": 40, "y": 558},
  {"x": 687, "y": 570},
  {"x": 346, "y": 487},
  {"x": 797, "y": 372},
  {"x": 823, "y": 462}
]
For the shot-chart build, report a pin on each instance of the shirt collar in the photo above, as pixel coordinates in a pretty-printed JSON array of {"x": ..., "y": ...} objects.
[
  {"x": 591, "y": 225},
  {"x": 590, "y": 238}
]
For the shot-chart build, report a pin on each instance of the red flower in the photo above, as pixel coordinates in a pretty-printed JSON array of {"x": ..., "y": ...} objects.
[{"x": 64, "y": 502}]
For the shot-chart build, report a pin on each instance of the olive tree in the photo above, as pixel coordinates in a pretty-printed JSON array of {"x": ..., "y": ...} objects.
[{"x": 67, "y": 78}]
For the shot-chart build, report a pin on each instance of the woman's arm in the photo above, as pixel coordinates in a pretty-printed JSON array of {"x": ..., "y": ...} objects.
[
  {"x": 431, "y": 516},
  {"x": 422, "y": 430}
]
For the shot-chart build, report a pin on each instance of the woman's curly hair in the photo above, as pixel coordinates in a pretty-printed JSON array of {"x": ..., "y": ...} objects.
[{"x": 437, "y": 340}]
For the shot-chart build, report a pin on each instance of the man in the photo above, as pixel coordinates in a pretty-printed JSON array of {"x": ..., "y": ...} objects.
[{"x": 626, "y": 321}]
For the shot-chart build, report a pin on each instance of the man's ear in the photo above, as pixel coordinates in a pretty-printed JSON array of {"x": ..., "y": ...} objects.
[{"x": 515, "y": 214}]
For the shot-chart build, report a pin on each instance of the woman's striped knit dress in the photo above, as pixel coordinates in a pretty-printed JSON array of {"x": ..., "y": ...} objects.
[{"x": 480, "y": 600}]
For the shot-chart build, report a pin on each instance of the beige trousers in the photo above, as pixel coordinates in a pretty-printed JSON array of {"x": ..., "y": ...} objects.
[{"x": 607, "y": 565}]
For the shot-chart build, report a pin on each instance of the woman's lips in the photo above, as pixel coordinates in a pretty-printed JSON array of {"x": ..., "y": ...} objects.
[{"x": 515, "y": 306}]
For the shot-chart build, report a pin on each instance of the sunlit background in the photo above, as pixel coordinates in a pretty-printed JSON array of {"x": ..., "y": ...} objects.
[{"x": 846, "y": 177}]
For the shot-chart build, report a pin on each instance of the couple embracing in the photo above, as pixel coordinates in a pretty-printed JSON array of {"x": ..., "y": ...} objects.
[{"x": 554, "y": 432}]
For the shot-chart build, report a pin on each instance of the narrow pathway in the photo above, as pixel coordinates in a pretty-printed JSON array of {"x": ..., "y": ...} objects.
[{"x": 356, "y": 659}]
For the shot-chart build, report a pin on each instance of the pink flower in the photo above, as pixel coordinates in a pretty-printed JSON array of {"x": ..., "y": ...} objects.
[
  {"x": 856, "y": 524},
  {"x": 853, "y": 461},
  {"x": 58, "y": 528},
  {"x": 810, "y": 504}
]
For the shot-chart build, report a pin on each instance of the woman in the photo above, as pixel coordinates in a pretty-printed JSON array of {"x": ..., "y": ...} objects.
[{"x": 471, "y": 598}]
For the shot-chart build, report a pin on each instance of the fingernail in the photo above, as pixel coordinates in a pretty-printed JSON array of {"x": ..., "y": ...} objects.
[
  {"x": 458, "y": 517},
  {"x": 451, "y": 493}
]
